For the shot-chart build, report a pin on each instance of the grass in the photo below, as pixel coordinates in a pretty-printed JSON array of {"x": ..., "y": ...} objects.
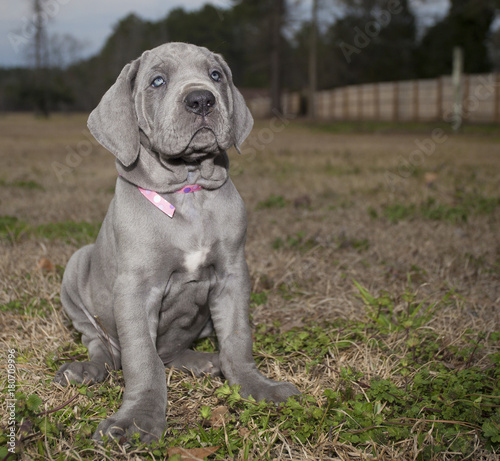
[
  {"x": 273, "y": 201},
  {"x": 440, "y": 397},
  {"x": 380, "y": 305},
  {"x": 30, "y": 185},
  {"x": 369, "y": 127},
  {"x": 297, "y": 241},
  {"x": 466, "y": 205},
  {"x": 13, "y": 230}
]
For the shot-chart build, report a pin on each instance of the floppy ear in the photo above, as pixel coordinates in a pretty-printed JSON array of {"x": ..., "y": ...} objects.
[
  {"x": 242, "y": 118},
  {"x": 114, "y": 121}
]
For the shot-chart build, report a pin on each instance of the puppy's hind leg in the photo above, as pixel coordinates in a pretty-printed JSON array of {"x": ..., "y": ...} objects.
[
  {"x": 93, "y": 371},
  {"x": 196, "y": 362},
  {"x": 103, "y": 350}
]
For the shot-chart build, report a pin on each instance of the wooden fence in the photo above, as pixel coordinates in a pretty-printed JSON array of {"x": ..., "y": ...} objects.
[{"x": 414, "y": 100}]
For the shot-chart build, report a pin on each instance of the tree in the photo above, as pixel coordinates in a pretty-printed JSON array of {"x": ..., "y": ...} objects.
[
  {"x": 494, "y": 50},
  {"x": 40, "y": 51},
  {"x": 467, "y": 25},
  {"x": 204, "y": 27},
  {"x": 47, "y": 56},
  {"x": 372, "y": 42},
  {"x": 313, "y": 69},
  {"x": 277, "y": 13}
]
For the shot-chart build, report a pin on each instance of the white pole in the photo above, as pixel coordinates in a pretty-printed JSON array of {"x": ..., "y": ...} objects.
[{"x": 457, "y": 81}]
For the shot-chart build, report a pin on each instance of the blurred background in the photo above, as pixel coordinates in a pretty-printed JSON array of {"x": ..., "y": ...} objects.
[{"x": 61, "y": 55}]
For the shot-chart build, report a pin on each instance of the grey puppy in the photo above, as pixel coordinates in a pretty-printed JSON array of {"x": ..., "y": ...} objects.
[{"x": 167, "y": 267}]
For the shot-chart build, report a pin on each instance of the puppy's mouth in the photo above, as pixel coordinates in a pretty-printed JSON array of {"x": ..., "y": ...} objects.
[
  {"x": 203, "y": 142},
  {"x": 190, "y": 139}
]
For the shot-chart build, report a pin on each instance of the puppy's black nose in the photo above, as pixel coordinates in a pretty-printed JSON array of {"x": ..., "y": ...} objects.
[{"x": 200, "y": 102}]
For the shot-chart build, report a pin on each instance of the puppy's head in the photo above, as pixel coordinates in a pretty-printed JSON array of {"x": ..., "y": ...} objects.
[{"x": 178, "y": 100}]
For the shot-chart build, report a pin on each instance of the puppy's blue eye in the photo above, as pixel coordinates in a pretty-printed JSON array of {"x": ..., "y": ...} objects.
[
  {"x": 216, "y": 75},
  {"x": 157, "y": 82}
]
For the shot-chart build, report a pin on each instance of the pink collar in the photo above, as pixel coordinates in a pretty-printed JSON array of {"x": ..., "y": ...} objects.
[{"x": 159, "y": 202}]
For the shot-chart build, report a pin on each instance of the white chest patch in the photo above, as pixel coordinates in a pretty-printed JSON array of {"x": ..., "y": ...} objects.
[{"x": 195, "y": 259}]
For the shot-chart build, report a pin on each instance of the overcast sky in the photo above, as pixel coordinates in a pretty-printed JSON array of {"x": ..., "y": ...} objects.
[{"x": 92, "y": 21}]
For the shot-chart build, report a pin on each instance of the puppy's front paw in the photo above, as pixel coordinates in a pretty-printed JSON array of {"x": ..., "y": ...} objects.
[
  {"x": 281, "y": 392},
  {"x": 81, "y": 372},
  {"x": 124, "y": 424}
]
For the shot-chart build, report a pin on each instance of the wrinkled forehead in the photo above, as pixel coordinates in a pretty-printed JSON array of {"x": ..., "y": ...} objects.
[{"x": 178, "y": 58}]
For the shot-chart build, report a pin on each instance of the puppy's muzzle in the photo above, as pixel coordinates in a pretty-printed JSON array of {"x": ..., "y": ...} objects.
[{"x": 200, "y": 102}]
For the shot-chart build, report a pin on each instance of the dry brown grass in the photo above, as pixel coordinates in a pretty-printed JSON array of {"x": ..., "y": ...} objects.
[{"x": 329, "y": 182}]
